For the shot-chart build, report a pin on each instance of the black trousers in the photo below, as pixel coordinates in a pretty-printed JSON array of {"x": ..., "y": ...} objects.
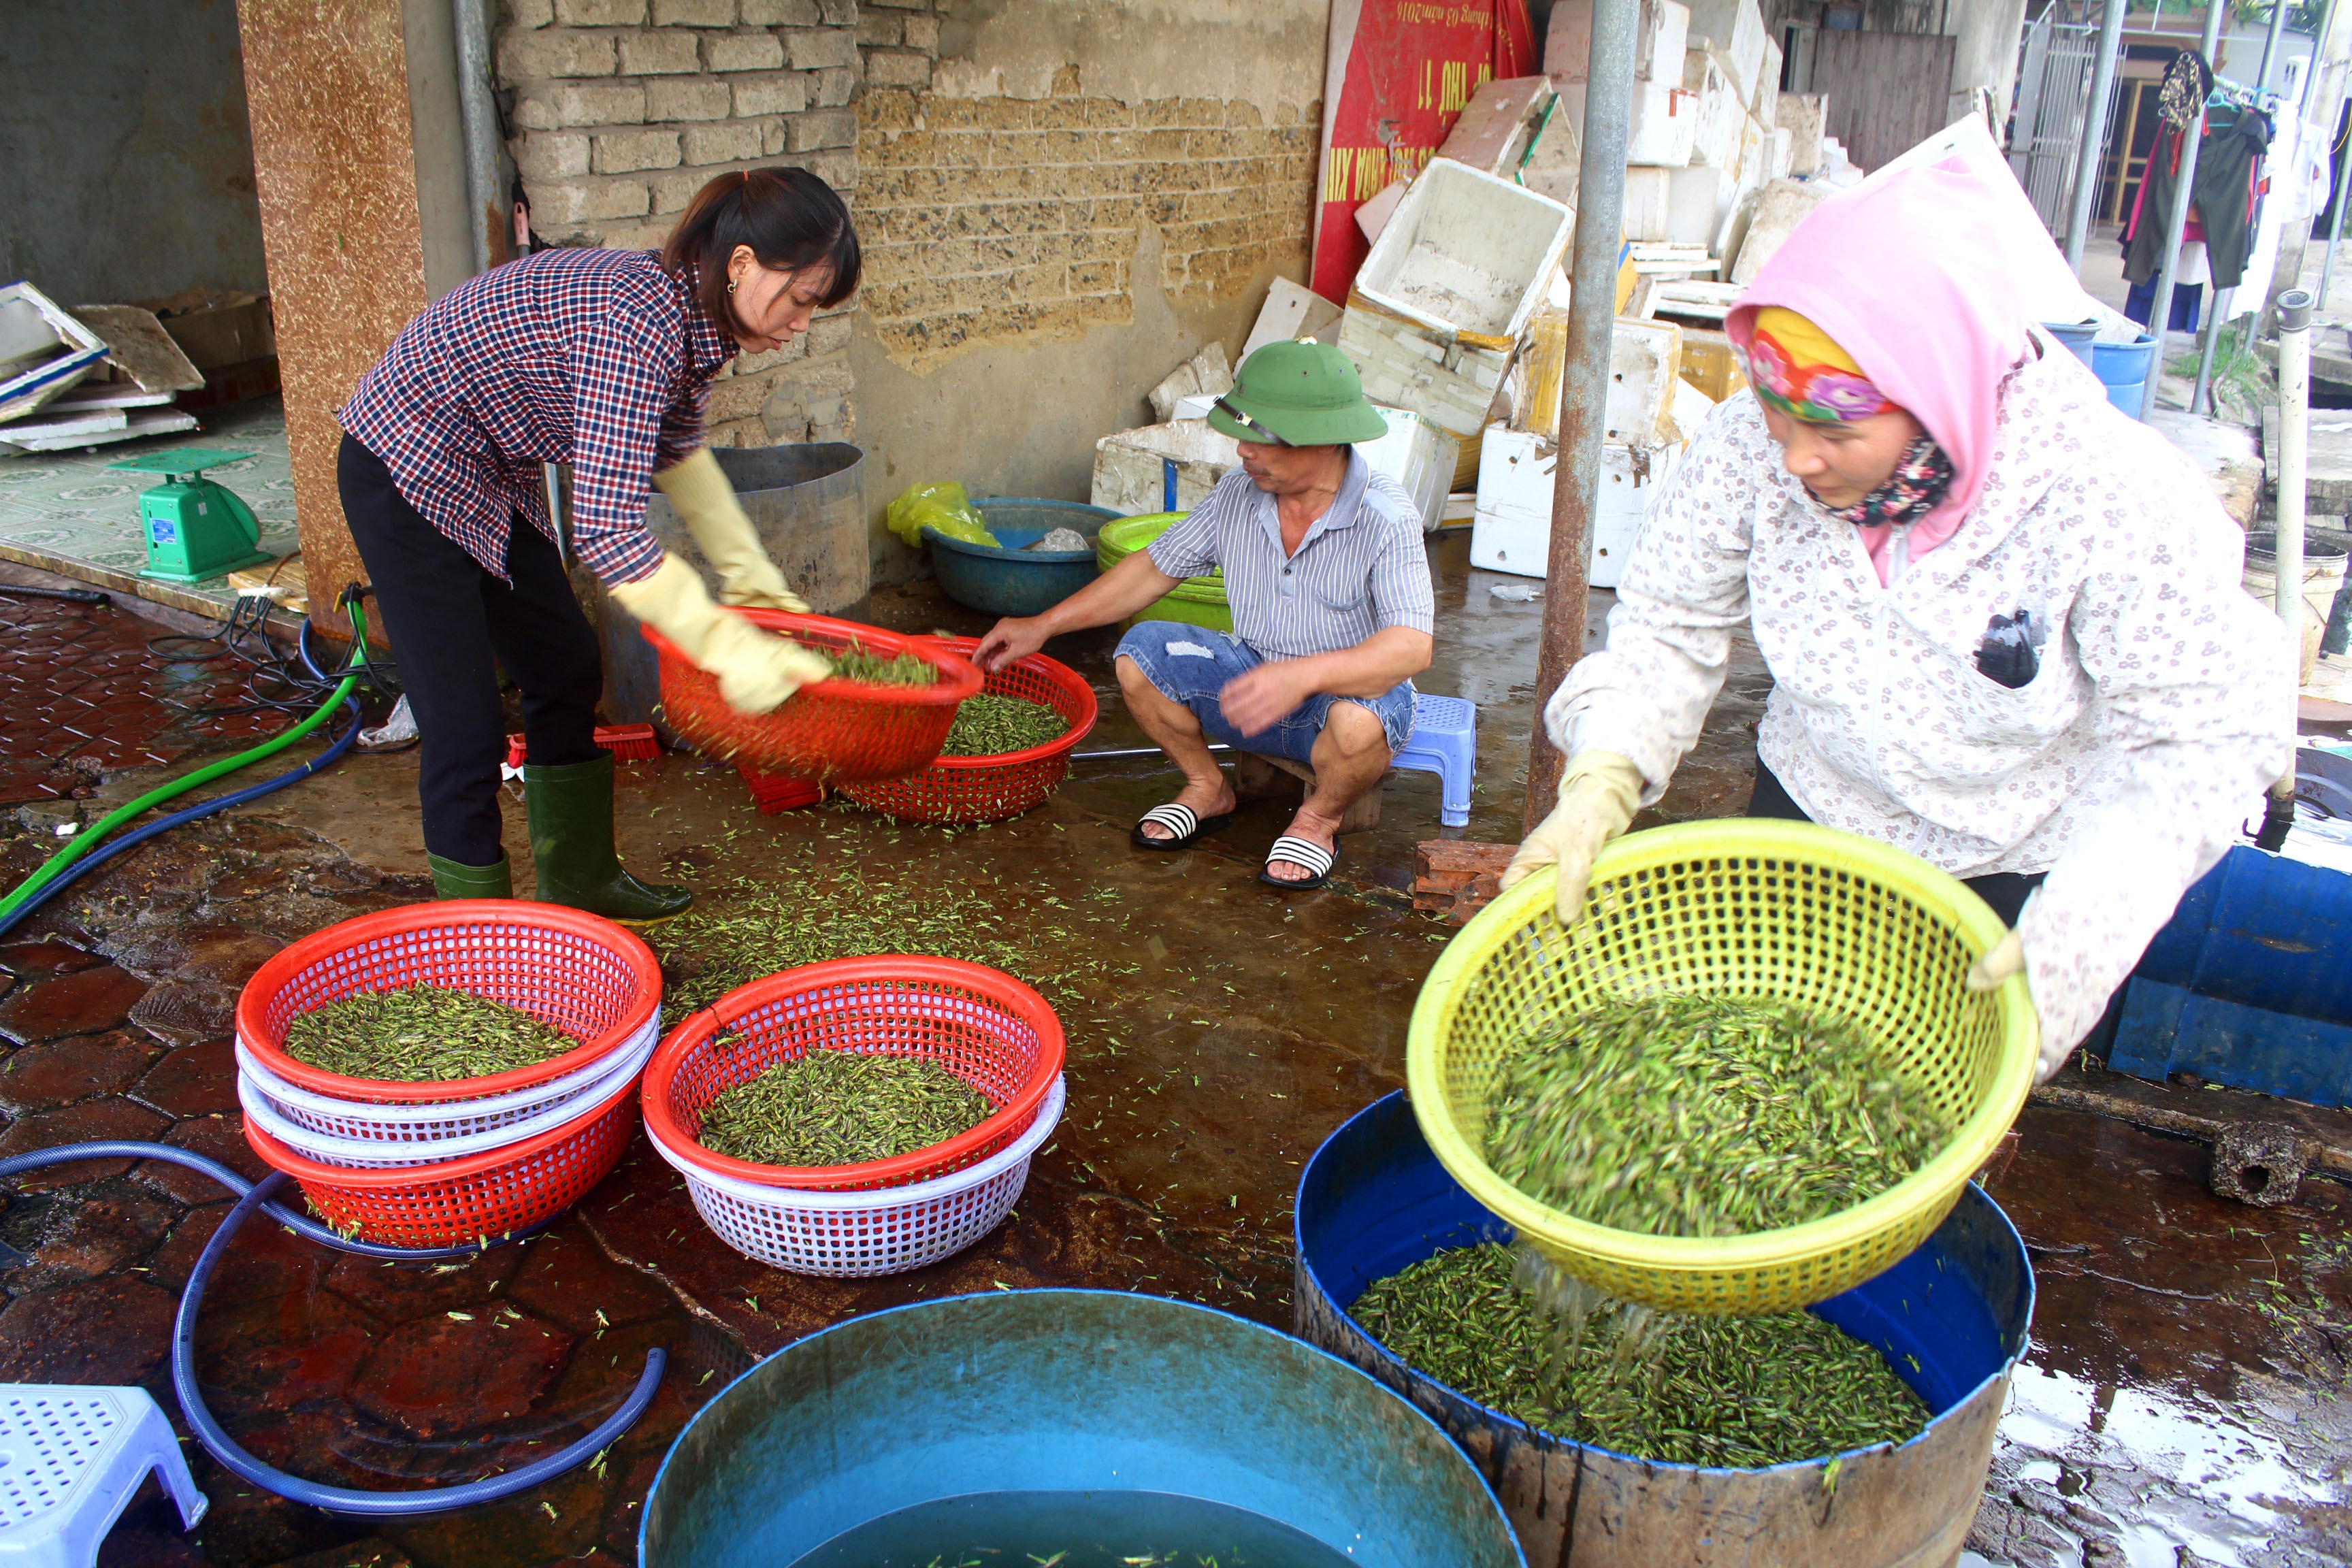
[
  {"x": 2005, "y": 891},
  {"x": 452, "y": 626}
]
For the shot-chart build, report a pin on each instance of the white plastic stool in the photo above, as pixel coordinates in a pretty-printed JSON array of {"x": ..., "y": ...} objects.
[
  {"x": 1445, "y": 742},
  {"x": 71, "y": 1455}
]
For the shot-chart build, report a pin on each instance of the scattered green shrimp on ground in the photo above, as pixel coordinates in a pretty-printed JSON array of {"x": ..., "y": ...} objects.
[
  {"x": 1737, "y": 1392},
  {"x": 1704, "y": 1116},
  {"x": 421, "y": 1034}
]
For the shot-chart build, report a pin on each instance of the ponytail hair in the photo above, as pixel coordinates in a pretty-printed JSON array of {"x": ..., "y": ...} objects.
[{"x": 792, "y": 220}]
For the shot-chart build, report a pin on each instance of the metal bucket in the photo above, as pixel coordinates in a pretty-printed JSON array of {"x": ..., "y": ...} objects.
[
  {"x": 1374, "y": 1200},
  {"x": 1030, "y": 1391},
  {"x": 807, "y": 505}
]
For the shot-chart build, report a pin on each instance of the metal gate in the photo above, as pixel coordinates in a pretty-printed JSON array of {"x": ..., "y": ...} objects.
[{"x": 2054, "y": 89}]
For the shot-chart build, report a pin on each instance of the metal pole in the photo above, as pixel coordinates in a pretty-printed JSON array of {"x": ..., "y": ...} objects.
[
  {"x": 2095, "y": 131},
  {"x": 479, "y": 119},
  {"x": 2294, "y": 436},
  {"x": 2271, "y": 44},
  {"x": 1584, "y": 381},
  {"x": 2160, "y": 315},
  {"x": 2203, "y": 391}
]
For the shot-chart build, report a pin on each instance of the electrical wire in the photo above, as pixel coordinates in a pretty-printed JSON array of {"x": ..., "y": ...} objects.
[
  {"x": 262, "y": 1195},
  {"x": 274, "y": 682}
]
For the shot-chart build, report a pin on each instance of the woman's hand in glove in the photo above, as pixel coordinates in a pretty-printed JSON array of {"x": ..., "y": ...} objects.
[
  {"x": 2007, "y": 958},
  {"x": 699, "y": 489},
  {"x": 1598, "y": 797},
  {"x": 756, "y": 671}
]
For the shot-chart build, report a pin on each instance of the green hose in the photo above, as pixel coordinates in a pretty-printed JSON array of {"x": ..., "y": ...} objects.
[{"x": 86, "y": 841}]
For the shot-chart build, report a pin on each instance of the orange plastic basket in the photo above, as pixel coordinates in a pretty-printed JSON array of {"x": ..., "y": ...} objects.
[
  {"x": 990, "y": 789},
  {"x": 834, "y": 731},
  {"x": 579, "y": 972},
  {"x": 452, "y": 1202},
  {"x": 982, "y": 1024}
]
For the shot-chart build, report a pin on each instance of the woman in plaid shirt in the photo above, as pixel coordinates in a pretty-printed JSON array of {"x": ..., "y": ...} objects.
[{"x": 601, "y": 359}]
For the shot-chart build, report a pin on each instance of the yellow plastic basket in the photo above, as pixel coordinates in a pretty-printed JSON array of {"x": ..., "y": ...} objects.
[{"x": 1749, "y": 907}]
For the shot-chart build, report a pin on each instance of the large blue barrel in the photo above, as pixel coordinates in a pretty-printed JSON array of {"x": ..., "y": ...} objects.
[
  {"x": 2124, "y": 369},
  {"x": 1030, "y": 1391},
  {"x": 2076, "y": 336},
  {"x": 1374, "y": 1200}
]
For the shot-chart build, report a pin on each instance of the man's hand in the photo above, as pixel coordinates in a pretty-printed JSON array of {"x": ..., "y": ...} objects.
[
  {"x": 1014, "y": 639},
  {"x": 1256, "y": 703}
]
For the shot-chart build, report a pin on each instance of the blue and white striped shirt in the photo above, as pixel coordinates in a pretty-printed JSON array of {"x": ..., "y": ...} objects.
[{"x": 1360, "y": 570}]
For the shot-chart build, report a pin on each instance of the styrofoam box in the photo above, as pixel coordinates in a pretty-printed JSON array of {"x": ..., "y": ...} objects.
[
  {"x": 1647, "y": 190},
  {"x": 1763, "y": 105},
  {"x": 1439, "y": 303},
  {"x": 1665, "y": 34},
  {"x": 1130, "y": 466},
  {"x": 1696, "y": 199},
  {"x": 1511, "y": 531},
  {"x": 1714, "y": 137},
  {"x": 1781, "y": 150},
  {"x": 1736, "y": 27},
  {"x": 1644, "y": 366},
  {"x": 1419, "y": 456},
  {"x": 1754, "y": 168},
  {"x": 1663, "y": 128}
]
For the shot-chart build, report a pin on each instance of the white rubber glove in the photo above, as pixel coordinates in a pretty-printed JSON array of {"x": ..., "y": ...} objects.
[
  {"x": 699, "y": 489},
  {"x": 2006, "y": 958},
  {"x": 756, "y": 671},
  {"x": 1598, "y": 797}
]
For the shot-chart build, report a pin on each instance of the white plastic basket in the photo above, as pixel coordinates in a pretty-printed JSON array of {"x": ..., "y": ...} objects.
[
  {"x": 382, "y": 1154},
  {"x": 367, "y": 1121},
  {"x": 883, "y": 1230}
]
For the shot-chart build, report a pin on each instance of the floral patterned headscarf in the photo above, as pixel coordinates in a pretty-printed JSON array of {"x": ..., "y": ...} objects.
[{"x": 1799, "y": 370}]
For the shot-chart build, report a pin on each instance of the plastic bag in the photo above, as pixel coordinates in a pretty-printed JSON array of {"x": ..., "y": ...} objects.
[{"x": 943, "y": 506}]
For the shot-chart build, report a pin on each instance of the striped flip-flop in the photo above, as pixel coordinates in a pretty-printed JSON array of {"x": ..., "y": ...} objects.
[
  {"x": 1298, "y": 852},
  {"x": 1180, "y": 820}
]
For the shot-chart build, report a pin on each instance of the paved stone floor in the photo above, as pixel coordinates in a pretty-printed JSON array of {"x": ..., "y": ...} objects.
[{"x": 2186, "y": 1400}]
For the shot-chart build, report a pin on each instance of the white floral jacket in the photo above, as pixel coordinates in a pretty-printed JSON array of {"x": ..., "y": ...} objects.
[{"x": 2163, "y": 698}]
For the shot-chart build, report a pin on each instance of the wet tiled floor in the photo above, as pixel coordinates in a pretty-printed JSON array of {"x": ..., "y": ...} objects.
[{"x": 2187, "y": 1393}]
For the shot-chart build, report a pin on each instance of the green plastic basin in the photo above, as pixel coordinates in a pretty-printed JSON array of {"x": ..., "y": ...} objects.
[{"x": 1196, "y": 601}]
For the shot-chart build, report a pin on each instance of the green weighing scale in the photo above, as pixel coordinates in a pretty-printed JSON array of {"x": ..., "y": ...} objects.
[{"x": 196, "y": 529}]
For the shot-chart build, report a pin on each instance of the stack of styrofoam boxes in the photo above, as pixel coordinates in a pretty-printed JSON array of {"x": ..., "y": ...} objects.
[
  {"x": 1511, "y": 531},
  {"x": 1437, "y": 309},
  {"x": 1661, "y": 131},
  {"x": 1803, "y": 117},
  {"x": 1732, "y": 73}
]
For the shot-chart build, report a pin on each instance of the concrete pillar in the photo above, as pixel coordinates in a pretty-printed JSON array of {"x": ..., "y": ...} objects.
[
  {"x": 358, "y": 229},
  {"x": 1987, "y": 35}
]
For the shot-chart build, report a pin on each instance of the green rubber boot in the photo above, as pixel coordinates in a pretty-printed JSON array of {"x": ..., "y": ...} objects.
[
  {"x": 452, "y": 880},
  {"x": 571, "y": 844}
]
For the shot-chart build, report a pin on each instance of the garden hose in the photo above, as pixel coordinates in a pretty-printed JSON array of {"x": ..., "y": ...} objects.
[
  {"x": 36, "y": 888},
  {"x": 252, "y": 1196}
]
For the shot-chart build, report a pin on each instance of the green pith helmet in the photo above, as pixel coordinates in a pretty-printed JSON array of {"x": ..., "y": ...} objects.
[{"x": 1306, "y": 393}]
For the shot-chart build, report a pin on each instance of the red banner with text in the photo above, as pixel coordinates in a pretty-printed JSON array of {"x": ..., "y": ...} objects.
[{"x": 1403, "y": 69}]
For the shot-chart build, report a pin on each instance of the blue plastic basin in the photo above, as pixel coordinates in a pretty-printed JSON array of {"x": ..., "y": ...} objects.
[
  {"x": 2076, "y": 336},
  {"x": 1952, "y": 1318},
  {"x": 2123, "y": 364},
  {"x": 1062, "y": 1390},
  {"x": 1013, "y": 580}
]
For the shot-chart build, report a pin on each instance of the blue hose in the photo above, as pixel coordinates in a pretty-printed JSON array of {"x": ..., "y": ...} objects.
[{"x": 222, "y": 1447}]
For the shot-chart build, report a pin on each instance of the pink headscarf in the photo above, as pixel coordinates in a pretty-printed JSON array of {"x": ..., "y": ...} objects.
[{"x": 1907, "y": 275}]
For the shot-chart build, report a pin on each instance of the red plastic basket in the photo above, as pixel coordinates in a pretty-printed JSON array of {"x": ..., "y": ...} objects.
[
  {"x": 990, "y": 789},
  {"x": 453, "y": 1201},
  {"x": 982, "y": 1024},
  {"x": 775, "y": 793},
  {"x": 566, "y": 967},
  {"x": 833, "y": 731}
]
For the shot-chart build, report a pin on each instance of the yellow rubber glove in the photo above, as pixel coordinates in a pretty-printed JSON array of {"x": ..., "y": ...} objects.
[
  {"x": 1988, "y": 973},
  {"x": 699, "y": 489},
  {"x": 756, "y": 671},
  {"x": 1598, "y": 797}
]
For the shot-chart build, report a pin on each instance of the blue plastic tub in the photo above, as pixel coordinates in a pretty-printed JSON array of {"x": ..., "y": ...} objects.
[
  {"x": 2076, "y": 336},
  {"x": 1063, "y": 1391},
  {"x": 1013, "y": 580},
  {"x": 1374, "y": 1200},
  {"x": 2124, "y": 368}
]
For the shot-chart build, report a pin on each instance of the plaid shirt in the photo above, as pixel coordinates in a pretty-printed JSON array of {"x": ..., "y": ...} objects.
[{"x": 595, "y": 358}]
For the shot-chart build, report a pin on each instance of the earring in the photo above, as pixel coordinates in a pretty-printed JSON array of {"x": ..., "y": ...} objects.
[{"x": 731, "y": 285}]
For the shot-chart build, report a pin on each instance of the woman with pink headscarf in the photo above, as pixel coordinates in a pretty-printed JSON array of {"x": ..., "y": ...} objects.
[{"x": 2003, "y": 620}]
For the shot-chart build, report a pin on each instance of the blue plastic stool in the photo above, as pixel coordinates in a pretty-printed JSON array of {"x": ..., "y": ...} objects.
[
  {"x": 70, "y": 1458},
  {"x": 1445, "y": 742}
]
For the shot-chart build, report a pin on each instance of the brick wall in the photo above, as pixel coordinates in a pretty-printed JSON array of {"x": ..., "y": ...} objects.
[
  {"x": 623, "y": 109},
  {"x": 995, "y": 218}
]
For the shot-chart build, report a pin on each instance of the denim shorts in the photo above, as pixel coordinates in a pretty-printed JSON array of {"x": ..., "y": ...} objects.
[{"x": 1192, "y": 664}]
